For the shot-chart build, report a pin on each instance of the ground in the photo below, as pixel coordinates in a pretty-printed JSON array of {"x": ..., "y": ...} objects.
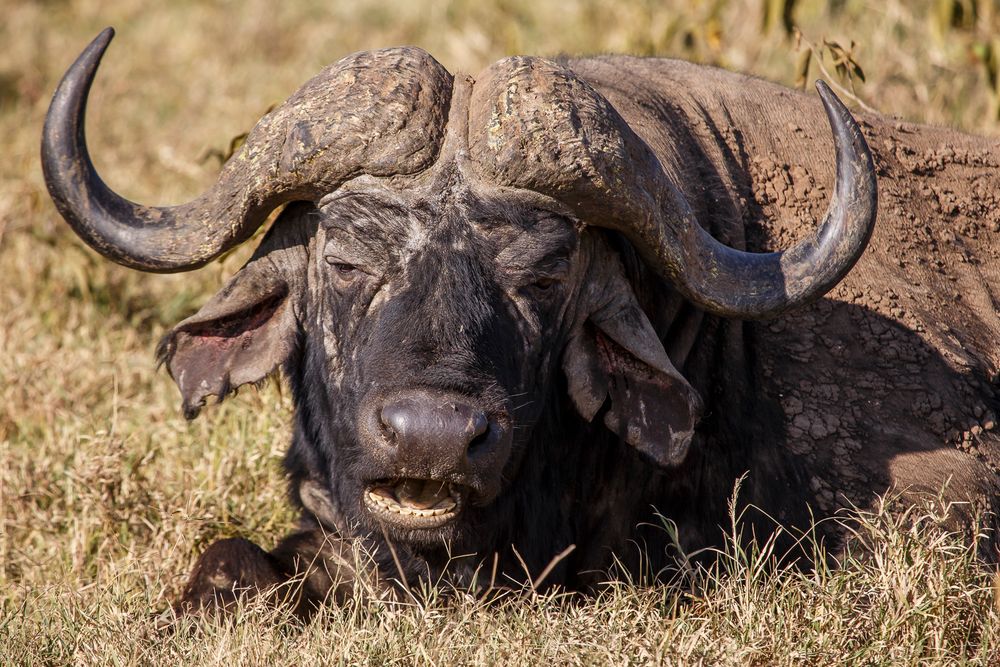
[{"x": 107, "y": 495}]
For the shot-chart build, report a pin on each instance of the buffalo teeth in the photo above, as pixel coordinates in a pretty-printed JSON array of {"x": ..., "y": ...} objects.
[{"x": 390, "y": 505}]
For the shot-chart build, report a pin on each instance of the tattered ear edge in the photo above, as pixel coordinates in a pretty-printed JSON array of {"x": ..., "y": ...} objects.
[
  {"x": 609, "y": 360},
  {"x": 272, "y": 314},
  {"x": 673, "y": 397}
]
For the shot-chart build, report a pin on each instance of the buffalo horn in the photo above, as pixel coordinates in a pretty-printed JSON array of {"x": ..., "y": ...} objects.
[
  {"x": 542, "y": 128},
  {"x": 344, "y": 122}
]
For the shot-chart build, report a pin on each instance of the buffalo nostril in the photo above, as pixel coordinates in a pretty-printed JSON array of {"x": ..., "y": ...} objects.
[
  {"x": 397, "y": 420},
  {"x": 477, "y": 430},
  {"x": 477, "y": 425},
  {"x": 480, "y": 439}
]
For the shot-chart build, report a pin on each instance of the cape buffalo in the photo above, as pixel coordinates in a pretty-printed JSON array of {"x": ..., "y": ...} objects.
[{"x": 519, "y": 311}]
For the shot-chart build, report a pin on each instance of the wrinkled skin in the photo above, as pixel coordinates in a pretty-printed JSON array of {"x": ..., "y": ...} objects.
[
  {"x": 440, "y": 290},
  {"x": 585, "y": 372}
]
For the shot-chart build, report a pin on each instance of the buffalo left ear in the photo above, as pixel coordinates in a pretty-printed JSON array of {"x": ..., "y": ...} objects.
[
  {"x": 616, "y": 354},
  {"x": 248, "y": 329},
  {"x": 239, "y": 337}
]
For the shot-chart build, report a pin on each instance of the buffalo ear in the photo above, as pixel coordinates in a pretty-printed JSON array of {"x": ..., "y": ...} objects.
[
  {"x": 247, "y": 330},
  {"x": 616, "y": 354}
]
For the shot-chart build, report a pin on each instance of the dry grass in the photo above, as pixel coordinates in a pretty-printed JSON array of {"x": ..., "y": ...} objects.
[
  {"x": 107, "y": 495},
  {"x": 916, "y": 595}
]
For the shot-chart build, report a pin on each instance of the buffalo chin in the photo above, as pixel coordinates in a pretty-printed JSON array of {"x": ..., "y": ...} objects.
[{"x": 414, "y": 504}]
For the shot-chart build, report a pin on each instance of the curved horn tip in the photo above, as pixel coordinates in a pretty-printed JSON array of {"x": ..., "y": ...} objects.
[
  {"x": 823, "y": 88},
  {"x": 105, "y": 36},
  {"x": 84, "y": 69},
  {"x": 831, "y": 102},
  {"x": 99, "y": 44}
]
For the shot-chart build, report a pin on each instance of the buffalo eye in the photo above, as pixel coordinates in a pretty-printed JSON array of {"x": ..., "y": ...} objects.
[
  {"x": 344, "y": 270},
  {"x": 550, "y": 275}
]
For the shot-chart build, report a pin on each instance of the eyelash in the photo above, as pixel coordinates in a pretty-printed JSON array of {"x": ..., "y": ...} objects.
[
  {"x": 555, "y": 274},
  {"x": 345, "y": 271},
  {"x": 544, "y": 284}
]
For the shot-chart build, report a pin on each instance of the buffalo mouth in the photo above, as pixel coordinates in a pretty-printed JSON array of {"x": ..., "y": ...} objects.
[{"x": 414, "y": 503}]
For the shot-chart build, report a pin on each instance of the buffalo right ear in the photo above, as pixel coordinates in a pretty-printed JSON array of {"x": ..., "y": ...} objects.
[
  {"x": 248, "y": 329},
  {"x": 615, "y": 357}
]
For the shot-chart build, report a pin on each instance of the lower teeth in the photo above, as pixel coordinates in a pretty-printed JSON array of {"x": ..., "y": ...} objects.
[{"x": 392, "y": 506}]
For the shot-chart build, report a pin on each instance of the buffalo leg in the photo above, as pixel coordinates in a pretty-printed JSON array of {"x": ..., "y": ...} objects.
[
  {"x": 228, "y": 570},
  {"x": 304, "y": 570}
]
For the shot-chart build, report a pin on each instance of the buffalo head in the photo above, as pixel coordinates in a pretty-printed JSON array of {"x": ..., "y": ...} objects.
[{"x": 440, "y": 272}]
